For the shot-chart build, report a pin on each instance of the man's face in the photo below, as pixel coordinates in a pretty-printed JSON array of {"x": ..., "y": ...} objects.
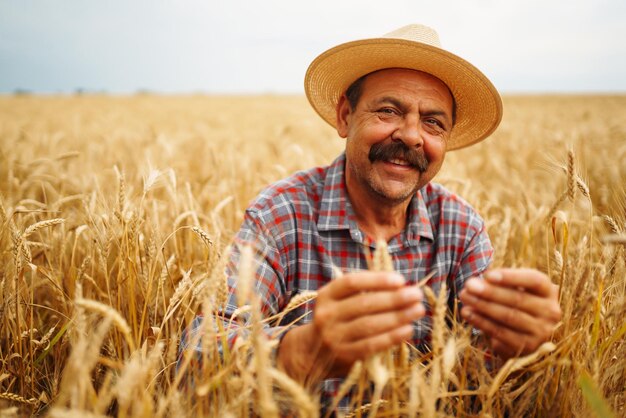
[{"x": 396, "y": 135}]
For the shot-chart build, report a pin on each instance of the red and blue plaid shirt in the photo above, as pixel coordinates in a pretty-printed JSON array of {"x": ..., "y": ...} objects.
[{"x": 302, "y": 227}]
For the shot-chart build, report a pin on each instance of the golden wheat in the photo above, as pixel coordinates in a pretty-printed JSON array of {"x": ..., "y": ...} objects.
[{"x": 128, "y": 253}]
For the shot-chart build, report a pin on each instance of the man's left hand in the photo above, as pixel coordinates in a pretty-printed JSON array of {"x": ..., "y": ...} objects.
[{"x": 518, "y": 309}]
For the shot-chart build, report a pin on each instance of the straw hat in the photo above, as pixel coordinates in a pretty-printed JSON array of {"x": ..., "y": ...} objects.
[{"x": 479, "y": 107}]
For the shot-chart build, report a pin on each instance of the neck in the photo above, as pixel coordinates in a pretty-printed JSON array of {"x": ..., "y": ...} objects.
[{"x": 377, "y": 217}]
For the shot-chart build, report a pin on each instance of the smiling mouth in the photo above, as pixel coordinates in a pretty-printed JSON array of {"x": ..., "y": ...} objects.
[{"x": 398, "y": 161}]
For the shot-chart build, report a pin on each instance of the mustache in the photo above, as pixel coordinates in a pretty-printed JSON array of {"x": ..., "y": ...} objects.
[{"x": 386, "y": 152}]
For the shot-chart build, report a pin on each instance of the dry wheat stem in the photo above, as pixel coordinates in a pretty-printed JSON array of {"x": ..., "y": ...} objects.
[
  {"x": 372, "y": 407},
  {"x": 571, "y": 181},
  {"x": 73, "y": 413},
  {"x": 37, "y": 283},
  {"x": 300, "y": 299},
  {"x": 614, "y": 239},
  {"x": 414, "y": 394},
  {"x": 556, "y": 205},
  {"x": 580, "y": 183},
  {"x": 306, "y": 406},
  {"x": 350, "y": 380},
  {"x": 612, "y": 224},
  {"x": 10, "y": 412},
  {"x": 3, "y": 214},
  {"x": 514, "y": 364},
  {"x": 121, "y": 196},
  {"x": 109, "y": 312},
  {"x": 17, "y": 398},
  {"x": 203, "y": 236},
  {"x": 261, "y": 361},
  {"x": 374, "y": 366},
  {"x": 426, "y": 278},
  {"x": 182, "y": 288},
  {"x": 40, "y": 225}
]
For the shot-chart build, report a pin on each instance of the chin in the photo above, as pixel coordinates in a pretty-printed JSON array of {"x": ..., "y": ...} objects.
[{"x": 396, "y": 196}]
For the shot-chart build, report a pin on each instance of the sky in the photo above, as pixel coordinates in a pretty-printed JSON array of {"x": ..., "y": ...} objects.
[{"x": 265, "y": 46}]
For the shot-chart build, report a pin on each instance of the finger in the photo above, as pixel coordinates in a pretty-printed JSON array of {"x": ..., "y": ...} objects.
[
  {"x": 536, "y": 306},
  {"x": 531, "y": 280},
  {"x": 508, "y": 315},
  {"x": 370, "y": 326},
  {"x": 518, "y": 342},
  {"x": 501, "y": 349},
  {"x": 363, "y": 281},
  {"x": 370, "y": 303},
  {"x": 364, "y": 348}
]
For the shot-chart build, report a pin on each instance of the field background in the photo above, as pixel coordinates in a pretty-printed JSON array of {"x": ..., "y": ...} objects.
[{"x": 94, "y": 301}]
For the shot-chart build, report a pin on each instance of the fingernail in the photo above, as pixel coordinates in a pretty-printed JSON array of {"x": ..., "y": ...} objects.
[
  {"x": 466, "y": 313},
  {"x": 414, "y": 311},
  {"x": 396, "y": 278},
  {"x": 407, "y": 330},
  {"x": 411, "y": 293},
  {"x": 476, "y": 285},
  {"x": 494, "y": 275}
]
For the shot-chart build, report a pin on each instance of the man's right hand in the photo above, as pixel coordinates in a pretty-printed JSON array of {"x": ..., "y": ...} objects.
[{"x": 355, "y": 316}]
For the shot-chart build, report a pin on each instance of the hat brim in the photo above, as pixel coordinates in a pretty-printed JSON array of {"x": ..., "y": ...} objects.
[{"x": 478, "y": 104}]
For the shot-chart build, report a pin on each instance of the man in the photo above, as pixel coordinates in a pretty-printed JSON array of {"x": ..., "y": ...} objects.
[{"x": 401, "y": 102}]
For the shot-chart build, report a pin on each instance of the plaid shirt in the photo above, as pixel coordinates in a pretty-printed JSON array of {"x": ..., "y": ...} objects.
[{"x": 304, "y": 225}]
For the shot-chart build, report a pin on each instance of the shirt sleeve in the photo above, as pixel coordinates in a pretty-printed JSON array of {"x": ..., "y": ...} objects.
[
  {"x": 268, "y": 266},
  {"x": 478, "y": 252},
  {"x": 268, "y": 284}
]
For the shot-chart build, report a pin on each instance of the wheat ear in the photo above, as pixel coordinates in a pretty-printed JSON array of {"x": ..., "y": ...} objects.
[{"x": 109, "y": 312}]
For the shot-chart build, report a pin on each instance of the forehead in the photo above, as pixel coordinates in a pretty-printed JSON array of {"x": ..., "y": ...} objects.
[{"x": 403, "y": 80}]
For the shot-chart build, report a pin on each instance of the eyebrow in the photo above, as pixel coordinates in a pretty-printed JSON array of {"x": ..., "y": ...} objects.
[{"x": 391, "y": 100}]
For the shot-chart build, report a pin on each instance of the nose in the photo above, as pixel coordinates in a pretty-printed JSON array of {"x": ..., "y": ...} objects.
[{"x": 409, "y": 131}]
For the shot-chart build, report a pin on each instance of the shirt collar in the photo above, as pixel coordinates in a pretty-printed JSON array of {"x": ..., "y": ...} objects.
[
  {"x": 336, "y": 211},
  {"x": 419, "y": 221}
]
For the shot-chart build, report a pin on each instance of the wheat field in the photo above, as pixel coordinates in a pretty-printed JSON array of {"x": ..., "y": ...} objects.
[{"x": 115, "y": 218}]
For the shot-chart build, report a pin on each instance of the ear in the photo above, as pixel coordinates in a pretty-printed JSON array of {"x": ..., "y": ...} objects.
[{"x": 344, "y": 112}]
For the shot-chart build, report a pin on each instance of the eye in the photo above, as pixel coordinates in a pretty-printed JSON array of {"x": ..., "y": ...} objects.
[
  {"x": 434, "y": 122},
  {"x": 388, "y": 111}
]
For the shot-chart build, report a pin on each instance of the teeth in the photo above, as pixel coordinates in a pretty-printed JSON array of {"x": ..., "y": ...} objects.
[{"x": 399, "y": 161}]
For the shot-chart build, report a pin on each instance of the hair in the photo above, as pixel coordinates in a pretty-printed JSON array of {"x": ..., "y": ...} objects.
[{"x": 354, "y": 91}]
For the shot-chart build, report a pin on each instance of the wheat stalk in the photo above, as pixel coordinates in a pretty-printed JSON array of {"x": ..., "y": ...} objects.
[
  {"x": 305, "y": 405},
  {"x": 514, "y": 364},
  {"x": 111, "y": 313},
  {"x": 372, "y": 407},
  {"x": 221, "y": 296},
  {"x": 571, "y": 180},
  {"x": 614, "y": 239},
  {"x": 580, "y": 183},
  {"x": 374, "y": 364},
  {"x": 300, "y": 299},
  {"x": 203, "y": 236},
  {"x": 556, "y": 205},
  {"x": 181, "y": 288},
  {"x": 73, "y": 413},
  {"x": 40, "y": 225},
  {"x": 350, "y": 380},
  {"x": 121, "y": 195},
  {"x": 414, "y": 393},
  {"x": 37, "y": 286},
  {"x": 17, "y": 398},
  {"x": 612, "y": 224}
]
